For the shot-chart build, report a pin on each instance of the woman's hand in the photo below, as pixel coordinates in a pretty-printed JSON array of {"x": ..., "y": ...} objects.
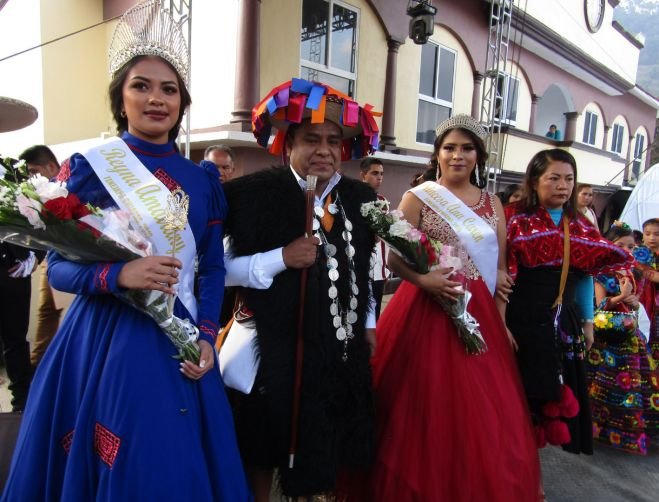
[
  {"x": 206, "y": 362},
  {"x": 511, "y": 339},
  {"x": 505, "y": 285},
  {"x": 158, "y": 273},
  {"x": 438, "y": 285},
  {"x": 588, "y": 334},
  {"x": 632, "y": 301},
  {"x": 626, "y": 287}
]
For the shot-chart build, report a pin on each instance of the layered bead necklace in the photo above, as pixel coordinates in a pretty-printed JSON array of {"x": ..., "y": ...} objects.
[{"x": 342, "y": 318}]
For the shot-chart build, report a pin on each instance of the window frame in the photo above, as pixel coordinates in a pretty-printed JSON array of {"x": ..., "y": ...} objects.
[
  {"x": 504, "y": 103},
  {"x": 588, "y": 124},
  {"x": 327, "y": 68},
  {"x": 432, "y": 99},
  {"x": 617, "y": 138},
  {"x": 638, "y": 156}
]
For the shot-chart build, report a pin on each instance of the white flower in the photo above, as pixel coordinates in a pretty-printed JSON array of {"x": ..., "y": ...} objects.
[
  {"x": 4, "y": 195},
  {"x": 20, "y": 164},
  {"x": 48, "y": 190},
  {"x": 38, "y": 180},
  {"x": 397, "y": 214},
  {"x": 399, "y": 228},
  {"x": 30, "y": 208},
  {"x": 3, "y": 171}
]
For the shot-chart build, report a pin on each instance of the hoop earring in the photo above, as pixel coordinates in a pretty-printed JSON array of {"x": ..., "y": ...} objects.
[{"x": 123, "y": 114}]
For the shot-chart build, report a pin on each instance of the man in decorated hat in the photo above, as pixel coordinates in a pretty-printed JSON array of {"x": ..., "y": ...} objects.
[{"x": 312, "y": 423}]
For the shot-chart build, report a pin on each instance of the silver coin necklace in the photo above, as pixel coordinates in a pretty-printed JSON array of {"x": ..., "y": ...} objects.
[{"x": 342, "y": 318}]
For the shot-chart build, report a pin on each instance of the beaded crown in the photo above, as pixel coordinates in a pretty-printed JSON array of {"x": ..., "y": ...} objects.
[
  {"x": 148, "y": 30},
  {"x": 461, "y": 121}
]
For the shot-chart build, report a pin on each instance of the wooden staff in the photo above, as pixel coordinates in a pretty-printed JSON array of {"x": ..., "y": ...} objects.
[{"x": 309, "y": 194}]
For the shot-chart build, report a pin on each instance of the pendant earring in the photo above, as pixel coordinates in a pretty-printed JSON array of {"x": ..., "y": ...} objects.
[
  {"x": 534, "y": 198},
  {"x": 478, "y": 178}
]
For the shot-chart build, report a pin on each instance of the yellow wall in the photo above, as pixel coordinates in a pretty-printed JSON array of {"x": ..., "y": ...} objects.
[
  {"x": 280, "y": 49},
  {"x": 407, "y": 91},
  {"x": 74, "y": 71},
  {"x": 280, "y": 42}
]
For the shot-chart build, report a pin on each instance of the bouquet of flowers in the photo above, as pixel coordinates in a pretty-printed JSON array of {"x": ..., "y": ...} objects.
[
  {"x": 426, "y": 254},
  {"x": 41, "y": 214}
]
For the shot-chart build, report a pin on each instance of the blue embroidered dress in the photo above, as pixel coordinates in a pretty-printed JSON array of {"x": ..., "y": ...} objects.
[
  {"x": 623, "y": 377},
  {"x": 109, "y": 415}
]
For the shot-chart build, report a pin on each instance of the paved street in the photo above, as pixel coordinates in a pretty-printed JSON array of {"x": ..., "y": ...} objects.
[{"x": 607, "y": 476}]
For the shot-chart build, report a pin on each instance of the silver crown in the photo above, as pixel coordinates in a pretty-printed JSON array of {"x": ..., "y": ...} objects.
[
  {"x": 461, "y": 121},
  {"x": 148, "y": 30}
]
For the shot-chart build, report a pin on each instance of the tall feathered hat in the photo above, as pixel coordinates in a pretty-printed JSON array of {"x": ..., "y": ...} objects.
[
  {"x": 298, "y": 99},
  {"x": 147, "y": 29}
]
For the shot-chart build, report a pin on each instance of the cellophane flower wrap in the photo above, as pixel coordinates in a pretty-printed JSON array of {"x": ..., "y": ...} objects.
[
  {"x": 42, "y": 214},
  {"x": 426, "y": 254}
]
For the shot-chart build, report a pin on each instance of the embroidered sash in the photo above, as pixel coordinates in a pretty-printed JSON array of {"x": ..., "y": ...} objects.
[
  {"x": 477, "y": 237},
  {"x": 144, "y": 197}
]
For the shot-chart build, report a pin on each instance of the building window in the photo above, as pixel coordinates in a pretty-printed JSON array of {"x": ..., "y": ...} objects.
[
  {"x": 329, "y": 55},
  {"x": 508, "y": 89},
  {"x": 639, "y": 145},
  {"x": 436, "y": 83},
  {"x": 616, "y": 140},
  {"x": 590, "y": 128}
]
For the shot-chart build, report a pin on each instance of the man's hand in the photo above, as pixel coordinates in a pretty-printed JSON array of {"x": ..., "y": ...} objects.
[
  {"x": 372, "y": 341},
  {"x": 301, "y": 253}
]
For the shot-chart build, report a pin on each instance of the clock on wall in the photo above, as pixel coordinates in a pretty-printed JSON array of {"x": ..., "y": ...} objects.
[{"x": 594, "y": 11}]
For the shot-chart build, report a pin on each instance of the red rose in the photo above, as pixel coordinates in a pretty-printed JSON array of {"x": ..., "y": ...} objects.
[
  {"x": 77, "y": 208},
  {"x": 59, "y": 208},
  {"x": 67, "y": 208}
]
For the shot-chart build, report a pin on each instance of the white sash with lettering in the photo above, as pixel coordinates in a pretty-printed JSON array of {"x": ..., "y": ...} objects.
[
  {"x": 144, "y": 197},
  {"x": 477, "y": 237}
]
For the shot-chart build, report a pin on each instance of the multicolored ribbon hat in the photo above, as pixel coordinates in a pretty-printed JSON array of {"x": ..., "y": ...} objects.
[{"x": 298, "y": 99}]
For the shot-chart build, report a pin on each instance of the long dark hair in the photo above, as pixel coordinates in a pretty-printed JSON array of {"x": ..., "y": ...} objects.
[
  {"x": 481, "y": 155},
  {"x": 618, "y": 230},
  {"x": 115, "y": 91},
  {"x": 536, "y": 168}
]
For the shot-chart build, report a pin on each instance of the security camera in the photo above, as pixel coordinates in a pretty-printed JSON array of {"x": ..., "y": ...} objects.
[{"x": 422, "y": 23}]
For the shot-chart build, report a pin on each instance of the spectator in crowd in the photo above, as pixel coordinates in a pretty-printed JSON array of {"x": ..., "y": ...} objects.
[
  {"x": 223, "y": 158},
  {"x": 41, "y": 160},
  {"x": 554, "y": 133}
]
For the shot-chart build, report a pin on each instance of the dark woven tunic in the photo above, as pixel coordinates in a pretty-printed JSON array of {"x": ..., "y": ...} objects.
[{"x": 336, "y": 411}]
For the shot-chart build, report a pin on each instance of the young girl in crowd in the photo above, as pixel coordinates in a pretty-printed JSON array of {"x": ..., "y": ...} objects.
[
  {"x": 647, "y": 257},
  {"x": 623, "y": 379}
]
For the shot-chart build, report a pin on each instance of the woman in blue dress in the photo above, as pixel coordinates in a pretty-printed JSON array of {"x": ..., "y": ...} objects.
[{"x": 111, "y": 414}]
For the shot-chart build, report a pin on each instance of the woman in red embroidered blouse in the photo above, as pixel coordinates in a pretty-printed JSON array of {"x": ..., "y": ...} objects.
[{"x": 549, "y": 333}]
